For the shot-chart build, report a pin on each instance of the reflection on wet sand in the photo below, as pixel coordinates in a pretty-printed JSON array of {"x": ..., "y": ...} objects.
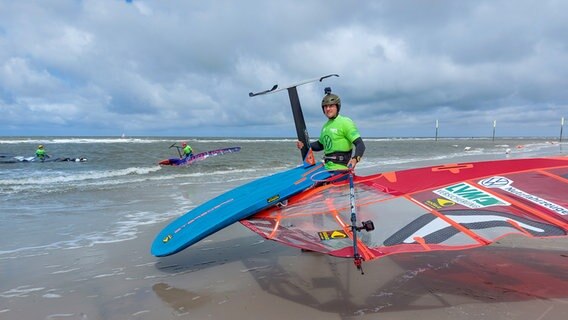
[
  {"x": 436, "y": 281},
  {"x": 180, "y": 300}
]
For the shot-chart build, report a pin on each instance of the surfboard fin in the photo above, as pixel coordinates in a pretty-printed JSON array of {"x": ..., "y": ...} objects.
[{"x": 310, "y": 159}]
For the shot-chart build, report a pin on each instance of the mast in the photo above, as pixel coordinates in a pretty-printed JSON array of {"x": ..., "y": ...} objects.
[{"x": 299, "y": 122}]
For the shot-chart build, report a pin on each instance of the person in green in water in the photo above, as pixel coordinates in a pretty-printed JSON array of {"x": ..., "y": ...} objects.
[
  {"x": 40, "y": 153},
  {"x": 186, "y": 150},
  {"x": 338, "y": 136}
]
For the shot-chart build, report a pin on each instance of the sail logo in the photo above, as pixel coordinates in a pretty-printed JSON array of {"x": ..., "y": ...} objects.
[
  {"x": 470, "y": 196},
  {"x": 506, "y": 185},
  {"x": 334, "y": 234},
  {"x": 495, "y": 182},
  {"x": 439, "y": 203}
]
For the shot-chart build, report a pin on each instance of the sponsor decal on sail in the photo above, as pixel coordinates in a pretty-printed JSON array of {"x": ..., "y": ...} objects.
[
  {"x": 506, "y": 185},
  {"x": 470, "y": 196}
]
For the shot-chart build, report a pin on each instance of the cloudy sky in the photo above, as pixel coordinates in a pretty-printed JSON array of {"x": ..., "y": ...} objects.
[{"x": 185, "y": 68}]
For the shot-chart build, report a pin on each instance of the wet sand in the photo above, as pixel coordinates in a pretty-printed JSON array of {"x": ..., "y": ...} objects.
[{"x": 236, "y": 275}]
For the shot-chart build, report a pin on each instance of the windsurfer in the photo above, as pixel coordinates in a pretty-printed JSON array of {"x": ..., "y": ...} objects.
[
  {"x": 186, "y": 149},
  {"x": 40, "y": 153},
  {"x": 337, "y": 137}
]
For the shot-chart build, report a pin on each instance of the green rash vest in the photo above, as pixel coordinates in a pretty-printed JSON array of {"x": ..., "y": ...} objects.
[
  {"x": 337, "y": 135},
  {"x": 187, "y": 150},
  {"x": 40, "y": 153}
]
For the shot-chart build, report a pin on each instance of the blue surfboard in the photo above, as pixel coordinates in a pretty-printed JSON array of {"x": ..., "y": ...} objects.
[
  {"x": 233, "y": 206},
  {"x": 248, "y": 199}
]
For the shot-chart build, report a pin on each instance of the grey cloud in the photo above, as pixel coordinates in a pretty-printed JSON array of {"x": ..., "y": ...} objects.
[{"x": 170, "y": 67}]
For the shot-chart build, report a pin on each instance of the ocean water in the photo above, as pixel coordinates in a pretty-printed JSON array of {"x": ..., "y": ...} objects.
[{"x": 121, "y": 191}]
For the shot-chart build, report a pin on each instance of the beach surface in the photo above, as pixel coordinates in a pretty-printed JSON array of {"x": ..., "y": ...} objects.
[{"x": 235, "y": 274}]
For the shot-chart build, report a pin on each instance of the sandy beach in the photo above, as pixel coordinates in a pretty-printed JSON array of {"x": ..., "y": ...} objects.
[{"x": 235, "y": 274}]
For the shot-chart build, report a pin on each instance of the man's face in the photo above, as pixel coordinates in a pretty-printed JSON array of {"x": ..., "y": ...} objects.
[{"x": 330, "y": 111}]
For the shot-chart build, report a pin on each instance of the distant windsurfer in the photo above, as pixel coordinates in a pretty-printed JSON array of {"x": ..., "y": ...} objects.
[
  {"x": 186, "y": 150},
  {"x": 40, "y": 153},
  {"x": 337, "y": 137}
]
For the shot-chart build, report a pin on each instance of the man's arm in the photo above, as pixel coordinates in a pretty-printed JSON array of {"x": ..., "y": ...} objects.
[
  {"x": 359, "y": 147},
  {"x": 316, "y": 146},
  {"x": 359, "y": 151}
]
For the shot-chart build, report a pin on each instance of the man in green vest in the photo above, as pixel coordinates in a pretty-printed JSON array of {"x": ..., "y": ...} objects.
[
  {"x": 338, "y": 136},
  {"x": 186, "y": 149},
  {"x": 40, "y": 153}
]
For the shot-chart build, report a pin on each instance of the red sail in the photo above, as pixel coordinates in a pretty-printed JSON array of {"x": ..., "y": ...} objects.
[{"x": 448, "y": 207}]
